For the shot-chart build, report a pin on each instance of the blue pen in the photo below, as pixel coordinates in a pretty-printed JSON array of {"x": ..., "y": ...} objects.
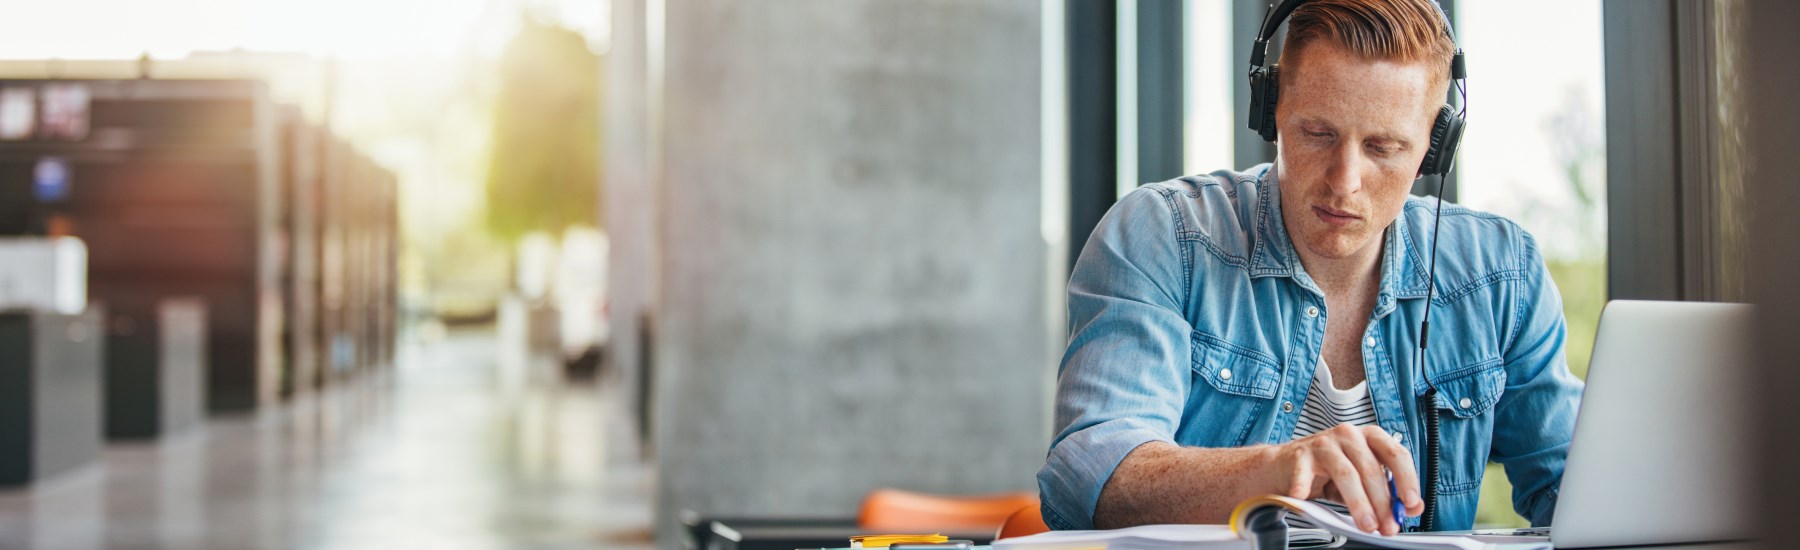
[{"x": 1394, "y": 498}]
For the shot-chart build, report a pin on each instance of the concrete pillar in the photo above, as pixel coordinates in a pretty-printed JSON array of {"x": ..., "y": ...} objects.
[{"x": 848, "y": 253}]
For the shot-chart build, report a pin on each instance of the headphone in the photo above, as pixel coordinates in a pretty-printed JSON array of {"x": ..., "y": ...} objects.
[{"x": 1265, "y": 89}]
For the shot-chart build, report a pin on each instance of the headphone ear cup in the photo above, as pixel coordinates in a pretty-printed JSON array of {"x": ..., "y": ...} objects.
[
  {"x": 1446, "y": 135},
  {"x": 1262, "y": 100},
  {"x": 1271, "y": 97}
]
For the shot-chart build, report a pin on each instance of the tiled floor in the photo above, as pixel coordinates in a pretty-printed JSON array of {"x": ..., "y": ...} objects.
[{"x": 453, "y": 449}]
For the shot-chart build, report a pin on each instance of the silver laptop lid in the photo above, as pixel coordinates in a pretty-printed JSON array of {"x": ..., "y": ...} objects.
[{"x": 1660, "y": 446}]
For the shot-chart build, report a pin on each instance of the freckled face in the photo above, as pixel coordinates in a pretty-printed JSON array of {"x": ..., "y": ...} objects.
[{"x": 1351, "y": 133}]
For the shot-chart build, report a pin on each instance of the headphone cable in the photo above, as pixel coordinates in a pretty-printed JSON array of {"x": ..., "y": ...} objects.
[{"x": 1428, "y": 406}]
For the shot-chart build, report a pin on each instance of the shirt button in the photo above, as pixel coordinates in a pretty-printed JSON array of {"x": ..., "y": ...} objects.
[
  {"x": 1370, "y": 341},
  {"x": 1399, "y": 437},
  {"x": 1225, "y": 374},
  {"x": 1287, "y": 406},
  {"x": 1312, "y": 311},
  {"x": 1465, "y": 403}
]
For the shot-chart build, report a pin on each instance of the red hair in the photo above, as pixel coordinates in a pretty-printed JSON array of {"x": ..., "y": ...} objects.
[{"x": 1406, "y": 31}]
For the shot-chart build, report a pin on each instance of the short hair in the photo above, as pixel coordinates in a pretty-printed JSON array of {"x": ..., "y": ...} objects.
[{"x": 1406, "y": 31}]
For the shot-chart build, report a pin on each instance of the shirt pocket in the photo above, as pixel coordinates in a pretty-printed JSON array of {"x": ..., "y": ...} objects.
[
  {"x": 1470, "y": 391},
  {"x": 1235, "y": 369},
  {"x": 1465, "y": 397},
  {"x": 1231, "y": 394}
]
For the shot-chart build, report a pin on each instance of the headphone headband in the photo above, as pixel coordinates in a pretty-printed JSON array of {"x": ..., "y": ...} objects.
[{"x": 1278, "y": 14}]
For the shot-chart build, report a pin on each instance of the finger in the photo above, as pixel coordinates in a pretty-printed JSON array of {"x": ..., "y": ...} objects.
[
  {"x": 1300, "y": 482},
  {"x": 1373, "y": 478},
  {"x": 1399, "y": 461},
  {"x": 1349, "y": 485}
]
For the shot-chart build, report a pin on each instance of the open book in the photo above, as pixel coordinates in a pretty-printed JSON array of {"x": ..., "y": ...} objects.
[{"x": 1256, "y": 523}]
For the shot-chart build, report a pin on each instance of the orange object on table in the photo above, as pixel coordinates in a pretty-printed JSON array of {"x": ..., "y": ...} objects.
[
  {"x": 1027, "y": 521},
  {"x": 894, "y": 510}
]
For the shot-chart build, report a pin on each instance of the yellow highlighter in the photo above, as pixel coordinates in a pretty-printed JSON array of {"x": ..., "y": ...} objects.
[{"x": 884, "y": 541}]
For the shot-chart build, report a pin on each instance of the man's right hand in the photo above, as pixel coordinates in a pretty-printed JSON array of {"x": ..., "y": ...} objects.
[{"x": 1349, "y": 464}]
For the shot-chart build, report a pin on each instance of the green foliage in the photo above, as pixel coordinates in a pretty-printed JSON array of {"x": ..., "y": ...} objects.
[
  {"x": 544, "y": 172},
  {"x": 1494, "y": 509},
  {"x": 1583, "y": 287}
]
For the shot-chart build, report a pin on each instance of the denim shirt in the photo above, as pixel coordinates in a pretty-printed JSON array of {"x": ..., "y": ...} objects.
[{"x": 1192, "y": 322}]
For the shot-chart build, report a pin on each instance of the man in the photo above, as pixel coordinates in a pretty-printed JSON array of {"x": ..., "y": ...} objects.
[{"x": 1237, "y": 334}]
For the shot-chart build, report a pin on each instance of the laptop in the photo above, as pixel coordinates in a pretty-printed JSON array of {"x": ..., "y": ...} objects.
[{"x": 1661, "y": 439}]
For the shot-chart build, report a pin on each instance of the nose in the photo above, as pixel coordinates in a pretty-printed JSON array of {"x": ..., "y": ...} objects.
[{"x": 1345, "y": 175}]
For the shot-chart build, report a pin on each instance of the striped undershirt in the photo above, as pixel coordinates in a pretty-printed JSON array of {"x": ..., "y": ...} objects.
[{"x": 1326, "y": 406}]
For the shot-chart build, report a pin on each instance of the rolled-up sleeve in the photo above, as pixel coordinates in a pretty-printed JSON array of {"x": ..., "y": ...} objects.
[
  {"x": 1535, "y": 417},
  {"x": 1125, "y": 375}
]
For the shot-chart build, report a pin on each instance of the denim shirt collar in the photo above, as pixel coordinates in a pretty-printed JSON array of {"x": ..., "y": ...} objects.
[{"x": 1403, "y": 270}]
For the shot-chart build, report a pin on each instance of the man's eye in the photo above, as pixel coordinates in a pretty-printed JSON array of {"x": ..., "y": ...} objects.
[{"x": 1318, "y": 134}]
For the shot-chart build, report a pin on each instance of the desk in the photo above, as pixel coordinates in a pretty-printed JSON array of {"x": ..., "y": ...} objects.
[{"x": 809, "y": 533}]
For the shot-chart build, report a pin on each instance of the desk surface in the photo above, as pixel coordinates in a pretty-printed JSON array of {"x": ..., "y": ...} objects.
[{"x": 764, "y": 534}]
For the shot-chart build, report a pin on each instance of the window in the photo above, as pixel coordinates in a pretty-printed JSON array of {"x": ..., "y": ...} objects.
[{"x": 1206, "y": 39}]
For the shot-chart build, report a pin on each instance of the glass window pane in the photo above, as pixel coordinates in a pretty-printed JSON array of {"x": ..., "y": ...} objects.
[{"x": 1207, "y": 128}]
